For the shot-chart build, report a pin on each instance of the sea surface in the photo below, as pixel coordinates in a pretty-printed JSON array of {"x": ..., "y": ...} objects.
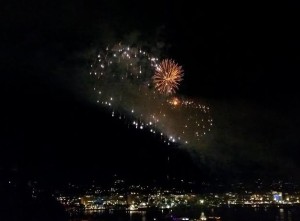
[{"x": 225, "y": 214}]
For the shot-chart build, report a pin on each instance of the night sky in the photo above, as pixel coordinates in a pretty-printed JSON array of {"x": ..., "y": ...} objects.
[{"x": 242, "y": 60}]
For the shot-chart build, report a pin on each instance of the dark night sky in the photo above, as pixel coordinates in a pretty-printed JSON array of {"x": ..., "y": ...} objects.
[{"x": 242, "y": 59}]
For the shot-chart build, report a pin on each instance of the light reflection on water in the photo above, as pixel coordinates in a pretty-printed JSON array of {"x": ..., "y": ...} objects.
[{"x": 226, "y": 214}]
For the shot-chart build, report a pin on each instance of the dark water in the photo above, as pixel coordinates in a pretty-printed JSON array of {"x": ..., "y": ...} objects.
[{"x": 226, "y": 214}]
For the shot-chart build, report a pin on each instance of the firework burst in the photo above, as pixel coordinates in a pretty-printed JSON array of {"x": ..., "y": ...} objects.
[{"x": 167, "y": 76}]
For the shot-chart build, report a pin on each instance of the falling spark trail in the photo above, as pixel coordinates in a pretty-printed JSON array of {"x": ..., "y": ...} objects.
[{"x": 130, "y": 82}]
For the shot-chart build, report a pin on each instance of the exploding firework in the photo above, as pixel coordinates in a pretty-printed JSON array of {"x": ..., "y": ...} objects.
[
  {"x": 167, "y": 77},
  {"x": 122, "y": 81}
]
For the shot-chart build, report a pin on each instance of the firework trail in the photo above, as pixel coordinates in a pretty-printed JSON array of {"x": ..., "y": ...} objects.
[{"x": 126, "y": 81}]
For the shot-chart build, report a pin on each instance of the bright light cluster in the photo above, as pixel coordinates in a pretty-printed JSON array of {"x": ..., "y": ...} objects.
[{"x": 123, "y": 78}]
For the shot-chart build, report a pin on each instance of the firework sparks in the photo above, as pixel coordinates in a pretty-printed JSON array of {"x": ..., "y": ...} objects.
[
  {"x": 122, "y": 77},
  {"x": 167, "y": 77}
]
